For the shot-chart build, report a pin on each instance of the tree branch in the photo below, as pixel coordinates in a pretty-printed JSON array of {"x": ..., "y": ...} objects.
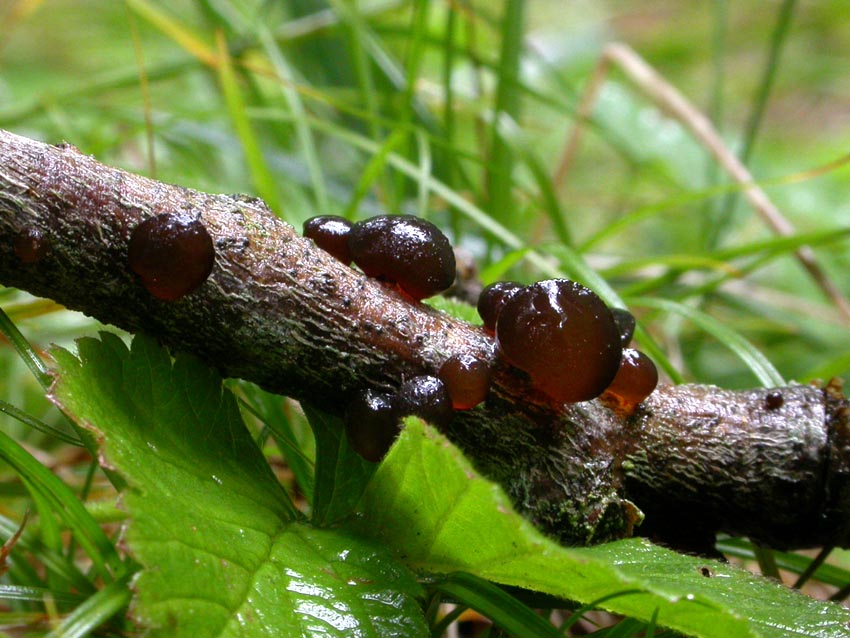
[{"x": 282, "y": 313}]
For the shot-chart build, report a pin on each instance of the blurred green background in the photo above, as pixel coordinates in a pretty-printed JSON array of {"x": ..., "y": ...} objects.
[{"x": 460, "y": 111}]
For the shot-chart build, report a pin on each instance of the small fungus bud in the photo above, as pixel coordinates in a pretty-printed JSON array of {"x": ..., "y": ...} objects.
[
  {"x": 467, "y": 380},
  {"x": 371, "y": 424},
  {"x": 330, "y": 233},
  {"x": 172, "y": 254},
  {"x": 774, "y": 400},
  {"x": 635, "y": 380},
  {"x": 406, "y": 250},
  {"x": 31, "y": 246},
  {"x": 427, "y": 398},
  {"x": 625, "y": 324},
  {"x": 563, "y": 336},
  {"x": 492, "y": 299}
]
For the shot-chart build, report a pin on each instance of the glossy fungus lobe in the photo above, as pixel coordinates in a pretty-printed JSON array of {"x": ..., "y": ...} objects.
[
  {"x": 467, "y": 380},
  {"x": 563, "y": 336},
  {"x": 492, "y": 299},
  {"x": 172, "y": 254},
  {"x": 330, "y": 233},
  {"x": 625, "y": 324},
  {"x": 427, "y": 398},
  {"x": 371, "y": 424},
  {"x": 406, "y": 250},
  {"x": 30, "y": 245},
  {"x": 635, "y": 380},
  {"x": 774, "y": 400}
]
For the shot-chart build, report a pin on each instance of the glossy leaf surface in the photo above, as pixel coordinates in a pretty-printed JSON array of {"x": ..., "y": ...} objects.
[
  {"x": 223, "y": 550},
  {"x": 429, "y": 504}
]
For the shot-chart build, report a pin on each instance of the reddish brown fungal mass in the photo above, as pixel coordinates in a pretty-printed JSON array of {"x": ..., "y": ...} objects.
[
  {"x": 467, "y": 380},
  {"x": 31, "y": 246},
  {"x": 371, "y": 424},
  {"x": 774, "y": 400},
  {"x": 426, "y": 397},
  {"x": 172, "y": 254},
  {"x": 330, "y": 232},
  {"x": 406, "y": 250},
  {"x": 492, "y": 299},
  {"x": 625, "y": 324},
  {"x": 563, "y": 336},
  {"x": 635, "y": 380}
]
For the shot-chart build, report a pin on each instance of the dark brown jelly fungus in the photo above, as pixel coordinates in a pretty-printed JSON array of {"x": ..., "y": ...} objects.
[
  {"x": 467, "y": 380},
  {"x": 406, "y": 250},
  {"x": 330, "y": 232},
  {"x": 427, "y": 398},
  {"x": 172, "y": 254},
  {"x": 492, "y": 299},
  {"x": 774, "y": 400},
  {"x": 563, "y": 336},
  {"x": 31, "y": 246},
  {"x": 635, "y": 380},
  {"x": 625, "y": 324},
  {"x": 371, "y": 424}
]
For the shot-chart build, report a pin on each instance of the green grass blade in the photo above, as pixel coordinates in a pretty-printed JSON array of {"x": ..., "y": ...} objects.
[
  {"x": 178, "y": 33},
  {"x": 53, "y": 562},
  {"x": 48, "y": 530},
  {"x": 95, "y": 611},
  {"x": 545, "y": 189},
  {"x": 450, "y": 127},
  {"x": 425, "y": 166},
  {"x": 25, "y": 351},
  {"x": 368, "y": 93},
  {"x": 777, "y": 41},
  {"x": 19, "y": 593},
  {"x": 833, "y": 575},
  {"x": 508, "y": 99},
  {"x": 493, "y": 602},
  {"x": 412, "y": 64},
  {"x": 302, "y": 128},
  {"x": 828, "y": 369},
  {"x": 373, "y": 170},
  {"x": 236, "y": 107},
  {"x": 763, "y": 370},
  {"x": 63, "y": 501},
  {"x": 37, "y": 424},
  {"x": 272, "y": 410}
]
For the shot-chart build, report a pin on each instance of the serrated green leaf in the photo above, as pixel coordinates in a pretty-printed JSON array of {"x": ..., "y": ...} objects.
[
  {"x": 223, "y": 551},
  {"x": 429, "y": 504}
]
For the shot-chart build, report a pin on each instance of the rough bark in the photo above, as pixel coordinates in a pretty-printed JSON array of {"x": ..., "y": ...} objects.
[{"x": 281, "y": 313}]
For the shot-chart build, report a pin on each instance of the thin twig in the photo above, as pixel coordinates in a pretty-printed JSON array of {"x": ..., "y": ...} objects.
[{"x": 282, "y": 313}]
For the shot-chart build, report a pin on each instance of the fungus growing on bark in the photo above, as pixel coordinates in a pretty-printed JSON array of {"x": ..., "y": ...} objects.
[
  {"x": 563, "y": 336},
  {"x": 406, "y": 250},
  {"x": 467, "y": 380},
  {"x": 371, "y": 424},
  {"x": 172, "y": 254},
  {"x": 492, "y": 299},
  {"x": 330, "y": 232},
  {"x": 31, "y": 245},
  {"x": 635, "y": 380},
  {"x": 426, "y": 397}
]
